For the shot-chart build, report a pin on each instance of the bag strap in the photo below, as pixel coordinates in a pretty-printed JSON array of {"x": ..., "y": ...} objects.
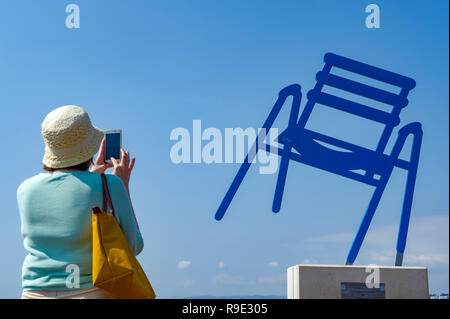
[{"x": 106, "y": 196}]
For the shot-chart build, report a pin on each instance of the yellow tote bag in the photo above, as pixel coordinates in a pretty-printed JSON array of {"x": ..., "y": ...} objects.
[{"x": 115, "y": 269}]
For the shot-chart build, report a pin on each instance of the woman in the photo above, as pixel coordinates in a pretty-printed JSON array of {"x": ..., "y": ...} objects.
[{"x": 56, "y": 207}]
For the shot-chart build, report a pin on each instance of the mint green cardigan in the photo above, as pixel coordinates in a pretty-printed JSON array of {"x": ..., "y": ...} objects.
[{"x": 56, "y": 223}]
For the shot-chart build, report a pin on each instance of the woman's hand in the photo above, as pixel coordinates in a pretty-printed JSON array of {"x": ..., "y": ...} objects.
[
  {"x": 99, "y": 165},
  {"x": 124, "y": 168}
]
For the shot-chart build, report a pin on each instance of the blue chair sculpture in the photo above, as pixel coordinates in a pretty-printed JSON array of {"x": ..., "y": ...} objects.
[{"x": 376, "y": 165}]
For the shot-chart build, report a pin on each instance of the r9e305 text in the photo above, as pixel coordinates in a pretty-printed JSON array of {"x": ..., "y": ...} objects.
[{"x": 249, "y": 308}]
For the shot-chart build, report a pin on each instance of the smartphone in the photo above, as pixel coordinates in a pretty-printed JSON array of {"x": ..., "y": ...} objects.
[{"x": 113, "y": 144}]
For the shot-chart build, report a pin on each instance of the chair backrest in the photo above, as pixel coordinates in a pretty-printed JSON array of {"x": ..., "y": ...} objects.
[{"x": 388, "y": 119}]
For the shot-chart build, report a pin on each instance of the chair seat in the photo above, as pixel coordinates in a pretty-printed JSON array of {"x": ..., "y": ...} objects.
[{"x": 311, "y": 150}]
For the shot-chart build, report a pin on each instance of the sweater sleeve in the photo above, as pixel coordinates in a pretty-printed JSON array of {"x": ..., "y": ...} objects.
[{"x": 124, "y": 213}]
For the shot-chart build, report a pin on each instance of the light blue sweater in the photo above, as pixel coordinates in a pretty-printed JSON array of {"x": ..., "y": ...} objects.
[{"x": 56, "y": 216}]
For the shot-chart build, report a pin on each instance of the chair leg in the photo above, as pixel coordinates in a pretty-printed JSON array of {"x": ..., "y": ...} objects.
[
  {"x": 240, "y": 176},
  {"x": 404, "y": 220},
  {"x": 407, "y": 200},
  {"x": 362, "y": 231},
  {"x": 233, "y": 188},
  {"x": 281, "y": 180},
  {"x": 292, "y": 90}
]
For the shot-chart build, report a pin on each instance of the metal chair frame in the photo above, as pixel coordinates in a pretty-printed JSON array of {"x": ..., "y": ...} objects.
[{"x": 373, "y": 162}]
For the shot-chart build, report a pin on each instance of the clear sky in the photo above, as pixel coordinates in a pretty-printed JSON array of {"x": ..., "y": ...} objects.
[{"x": 148, "y": 67}]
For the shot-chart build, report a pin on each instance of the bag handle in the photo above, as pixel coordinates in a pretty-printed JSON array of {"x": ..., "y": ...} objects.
[{"x": 106, "y": 196}]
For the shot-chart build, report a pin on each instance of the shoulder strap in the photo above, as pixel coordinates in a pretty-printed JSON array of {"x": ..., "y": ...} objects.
[{"x": 106, "y": 196}]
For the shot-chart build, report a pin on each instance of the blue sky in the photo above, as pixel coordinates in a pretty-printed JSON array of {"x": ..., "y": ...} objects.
[{"x": 148, "y": 67}]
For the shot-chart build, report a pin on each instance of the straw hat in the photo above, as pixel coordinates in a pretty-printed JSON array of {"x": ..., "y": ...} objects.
[{"x": 69, "y": 137}]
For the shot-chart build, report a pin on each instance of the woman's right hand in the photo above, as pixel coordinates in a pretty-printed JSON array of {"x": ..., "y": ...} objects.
[
  {"x": 124, "y": 168},
  {"x": 99, "y": 165}
]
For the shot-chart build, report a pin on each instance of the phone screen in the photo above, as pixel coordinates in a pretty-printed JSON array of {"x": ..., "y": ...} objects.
[{"x": 113, "y": 141}]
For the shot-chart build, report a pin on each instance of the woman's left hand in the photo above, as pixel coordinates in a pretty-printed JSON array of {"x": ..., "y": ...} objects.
[
  {"x": 99, "y": 166},
  {"x": 123, "y": 168}
]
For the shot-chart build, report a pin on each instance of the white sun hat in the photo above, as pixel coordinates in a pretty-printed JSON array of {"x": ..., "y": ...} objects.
[{"x": 69, "y": 136}]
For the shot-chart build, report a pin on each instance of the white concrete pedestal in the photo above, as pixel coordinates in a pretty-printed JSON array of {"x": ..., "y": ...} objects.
[{"x": 356, "y": 282}]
